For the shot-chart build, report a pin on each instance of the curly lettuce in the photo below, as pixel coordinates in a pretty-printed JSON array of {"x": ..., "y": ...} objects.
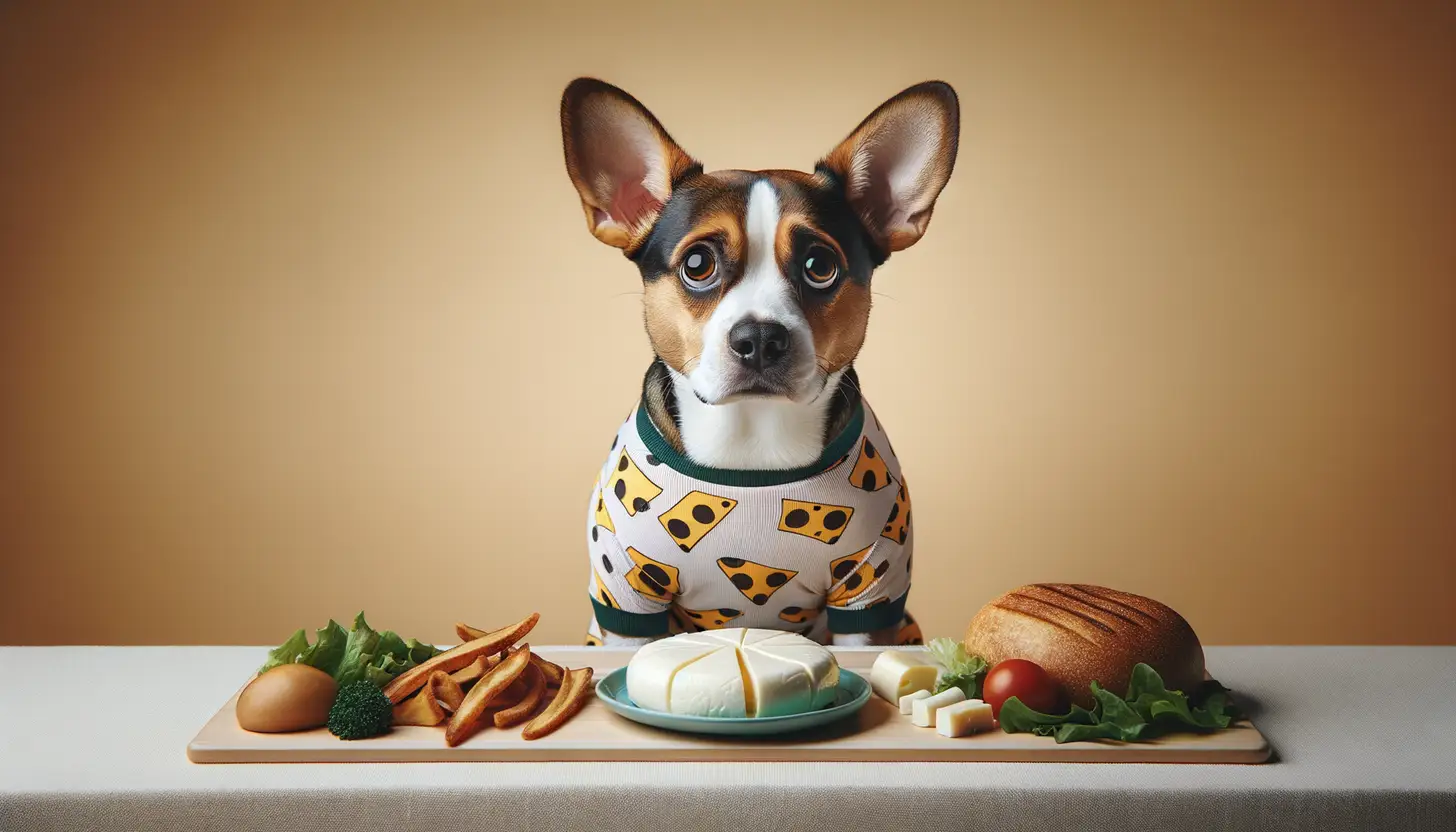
[
  {"x": 961, "y": 670},
  {"x": 352, "y": 655}
]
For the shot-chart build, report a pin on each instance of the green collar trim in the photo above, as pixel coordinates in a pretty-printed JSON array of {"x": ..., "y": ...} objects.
[{"x": 833, "y": 454}]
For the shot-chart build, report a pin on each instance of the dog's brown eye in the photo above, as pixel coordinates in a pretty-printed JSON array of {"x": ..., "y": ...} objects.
[
  {"x": 699, "y": 268},
  {"x": 821, "y": 268}
]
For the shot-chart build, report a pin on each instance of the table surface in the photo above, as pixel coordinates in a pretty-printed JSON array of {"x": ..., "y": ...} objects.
[{"x": 95, "y": 738}]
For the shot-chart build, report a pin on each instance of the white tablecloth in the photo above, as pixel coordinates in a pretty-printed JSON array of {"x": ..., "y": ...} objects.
[{"x": 95, "y": 738}]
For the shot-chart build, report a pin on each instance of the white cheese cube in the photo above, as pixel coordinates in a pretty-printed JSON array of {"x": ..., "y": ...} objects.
[
  {"x": 922, "y": 711},
  {"x": 908, "y": 700},
  {"x": 961, "y": 718},
  {"x": 897, "y": 673}
]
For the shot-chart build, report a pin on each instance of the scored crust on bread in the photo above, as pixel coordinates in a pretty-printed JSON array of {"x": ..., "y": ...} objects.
[{"x": 1079, "y": 633}]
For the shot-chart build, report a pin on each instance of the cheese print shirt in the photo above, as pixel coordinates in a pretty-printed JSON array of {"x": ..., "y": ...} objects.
[{"x": 677, "y": 547}]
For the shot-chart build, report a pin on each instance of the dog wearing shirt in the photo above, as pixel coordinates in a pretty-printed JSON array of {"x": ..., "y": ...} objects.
[{"x": 752, "y": 485}]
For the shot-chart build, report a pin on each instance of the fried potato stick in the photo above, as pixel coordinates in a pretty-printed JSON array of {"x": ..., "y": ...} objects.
[
  {"x": 481, "y": 696},
  {"x": 522, "y": 710},
  {"x": 568, "y": 701},
  {"x": 451, "y": 660}
]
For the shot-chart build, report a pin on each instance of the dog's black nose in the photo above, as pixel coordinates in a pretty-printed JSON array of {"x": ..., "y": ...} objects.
[{"x": 759, "y": 344}]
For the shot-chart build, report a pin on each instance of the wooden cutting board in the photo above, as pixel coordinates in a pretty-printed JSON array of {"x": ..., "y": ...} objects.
[{"x": 878, "y": 732}]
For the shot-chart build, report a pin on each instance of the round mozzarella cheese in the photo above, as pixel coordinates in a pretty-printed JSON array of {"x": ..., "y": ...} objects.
[{"x": 734, "y": 672}]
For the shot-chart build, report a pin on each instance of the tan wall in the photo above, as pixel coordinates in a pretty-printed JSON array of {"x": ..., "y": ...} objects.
[{"x": 276, "y": 280}]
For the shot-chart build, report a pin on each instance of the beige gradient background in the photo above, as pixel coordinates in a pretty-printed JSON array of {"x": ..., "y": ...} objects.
[{"x": 299, "y": 315}]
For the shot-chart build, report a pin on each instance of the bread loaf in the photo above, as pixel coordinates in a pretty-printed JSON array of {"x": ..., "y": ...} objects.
[{"x": 1080, "y": 633}]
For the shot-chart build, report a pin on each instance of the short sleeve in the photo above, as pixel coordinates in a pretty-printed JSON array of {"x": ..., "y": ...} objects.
[
  {"x": 870, "y": 588},
  {"x": 618, "y": 589}
]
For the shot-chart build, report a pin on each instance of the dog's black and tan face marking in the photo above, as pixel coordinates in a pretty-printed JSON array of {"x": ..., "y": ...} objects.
[
  {"x": 763, "y": 232},
  {"x": 757, "y": 283}
]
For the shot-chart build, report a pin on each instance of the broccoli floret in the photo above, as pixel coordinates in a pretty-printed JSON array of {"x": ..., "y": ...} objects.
[{"x": 361, "y": 710}]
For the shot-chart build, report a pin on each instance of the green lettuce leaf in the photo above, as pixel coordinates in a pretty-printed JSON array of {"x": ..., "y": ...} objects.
[
  {"x": 1100, "y": 731},
  {"x": 358, "y": 652},
  {"x": 1149, "y": 710},
  {"x": 1017, "y": 718},
  {"x": 962, "y": 670},
  {"x": 327, "y": 653},
  {"x": 392, "y": 646},
  {"x": 288, "y": 652},
  {"x": 419, "y": 653},
  {"x": 380, "y": 676},
  {"x": 351, "y": 655}
]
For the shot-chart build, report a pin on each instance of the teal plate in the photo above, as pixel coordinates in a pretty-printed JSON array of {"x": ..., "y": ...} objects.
[{"x": 852, "y": 694}]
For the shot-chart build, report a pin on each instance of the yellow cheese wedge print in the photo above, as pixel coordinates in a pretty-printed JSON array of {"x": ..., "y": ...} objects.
[
  {"x": 817, "y": 521},
  {"x": 632, "y": 487},
  {"x": 602, "y": 519},
  {"x": 797, "y": 615},
  {"x": 592, "y": 641},
  {"x": 870, "y": 472},
  {"x": 841, "y": 568},
  {"x": 897, "y": 525},
  {"x": 858, "y": 576},
  {"x": 859, "y": 581},
  {"x": 850, "y": 568},
  {"x": 651, "y": 578},
  {"x": 757, "y": 582},
  {"x": 604, "y": 595},
  {"x": 698, "y": 620},
  {"x": 694, "y": 516}
]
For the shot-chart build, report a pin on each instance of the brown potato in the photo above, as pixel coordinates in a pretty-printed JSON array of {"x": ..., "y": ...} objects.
[{"x": 289, "y": 697}]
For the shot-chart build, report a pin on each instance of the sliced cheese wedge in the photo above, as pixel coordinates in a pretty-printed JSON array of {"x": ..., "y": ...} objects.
[
  {"x": 922, "y": 711},
  {"x": 778, "y": 686},
  {"x": 713, "y": 686},
  {"x": 908, "y": 700},
  {"x": 960, "y": 718},
  {"x": 653, "y": 668},
  {"x": 823, "y": 676},
  {"x": 896, "y": 673}
]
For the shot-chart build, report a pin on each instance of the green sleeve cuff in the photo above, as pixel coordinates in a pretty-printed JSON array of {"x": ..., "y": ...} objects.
[
  {"x": 636, "y": 624},
  {"x": 866, "y": 620}
]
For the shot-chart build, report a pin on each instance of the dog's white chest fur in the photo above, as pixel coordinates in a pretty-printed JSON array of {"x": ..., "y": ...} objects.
[{"x": 753, "y": 434}]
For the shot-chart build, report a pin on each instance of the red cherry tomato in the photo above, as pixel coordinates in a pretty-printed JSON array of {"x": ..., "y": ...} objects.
[{"x": 1024, "y": 680}]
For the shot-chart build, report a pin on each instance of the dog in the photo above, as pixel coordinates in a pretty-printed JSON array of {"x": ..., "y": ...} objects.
[{"x": 752, "y": 485}]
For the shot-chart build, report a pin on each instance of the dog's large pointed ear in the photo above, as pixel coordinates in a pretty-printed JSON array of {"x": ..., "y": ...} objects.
[
  {"x": 895, "y": 163},
  {"x": 620, "y": 158}
]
